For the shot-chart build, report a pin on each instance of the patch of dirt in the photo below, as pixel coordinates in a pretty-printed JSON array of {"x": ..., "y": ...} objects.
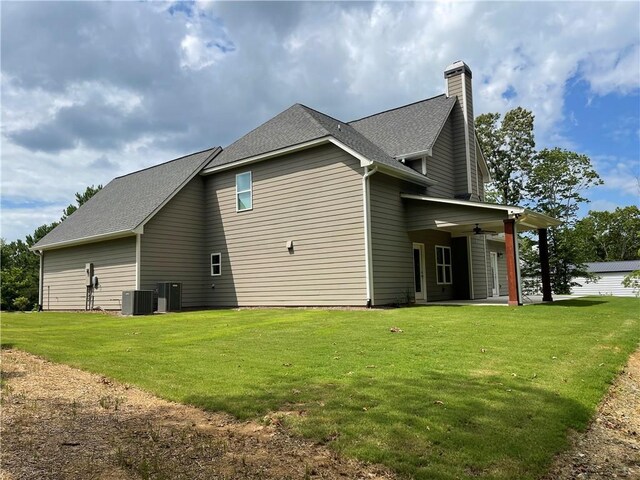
[
  {"x": 63, "y": 423},
  {"x": 610, "y": 448}
]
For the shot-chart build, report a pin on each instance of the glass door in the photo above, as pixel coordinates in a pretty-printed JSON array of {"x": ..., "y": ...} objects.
[{"x": 418, "y": 272}]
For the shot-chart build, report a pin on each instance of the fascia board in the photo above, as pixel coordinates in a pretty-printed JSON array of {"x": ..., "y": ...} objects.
[
  {"x": 80, "y": 241},
  {"x": 267, "y": 155},
  {"x": 511, "y": 209}
]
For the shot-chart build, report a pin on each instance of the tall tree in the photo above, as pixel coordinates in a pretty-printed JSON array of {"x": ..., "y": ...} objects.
[
  {"x": 509, "y": 148},
  {"x": 555, "y": 186}
]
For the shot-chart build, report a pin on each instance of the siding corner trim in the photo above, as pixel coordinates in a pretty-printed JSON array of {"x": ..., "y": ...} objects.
[{"x": 368, "y": 257}]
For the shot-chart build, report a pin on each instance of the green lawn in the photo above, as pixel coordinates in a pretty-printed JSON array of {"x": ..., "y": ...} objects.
[{"x": 462, "y": 392}]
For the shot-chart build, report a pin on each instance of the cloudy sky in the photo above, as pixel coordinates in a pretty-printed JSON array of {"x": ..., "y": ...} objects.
[{"x": 92, "y": 90}]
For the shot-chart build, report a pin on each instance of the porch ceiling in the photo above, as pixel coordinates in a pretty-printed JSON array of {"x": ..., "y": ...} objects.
[{"x": 459, "y": 217}]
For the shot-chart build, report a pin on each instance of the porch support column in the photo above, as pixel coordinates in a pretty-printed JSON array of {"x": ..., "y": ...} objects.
[
  {"x": 512, "y": 265},
  {"x": 543, "y": 246}
]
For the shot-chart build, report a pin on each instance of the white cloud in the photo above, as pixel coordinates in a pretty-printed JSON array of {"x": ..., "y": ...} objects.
[
  {"x": 17, "y": 222},
  {"x": 619, "y": 175},
  {"x": 613, "y": 71},
  {"x": 130, "y": 84}
]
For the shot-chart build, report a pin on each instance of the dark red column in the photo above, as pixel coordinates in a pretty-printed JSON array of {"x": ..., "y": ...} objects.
[
  {"x": 543, "y": 247},
  {"x": 510, "y": 254}
]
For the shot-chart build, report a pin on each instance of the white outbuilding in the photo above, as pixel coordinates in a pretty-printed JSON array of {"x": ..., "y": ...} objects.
[{"x": 610, "y": 275}]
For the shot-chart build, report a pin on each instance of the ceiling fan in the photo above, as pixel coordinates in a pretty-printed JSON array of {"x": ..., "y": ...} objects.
[{"x": 480, "y": 231}]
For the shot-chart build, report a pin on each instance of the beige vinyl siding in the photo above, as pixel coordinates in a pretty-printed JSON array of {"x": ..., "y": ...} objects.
[
  {"x": 498, "y": 247},
  {"x": 391, "y": 247},
  {"x": 478, "y": 266},
  {"x": 313, "y": 198},
  {"x": 64, "y": 279},
  {"x": 440, "y": 167},
  {"x": 173, "y": 246},
  {"x": 421, "y": 215},
  {"x": 431, "y": 238}
]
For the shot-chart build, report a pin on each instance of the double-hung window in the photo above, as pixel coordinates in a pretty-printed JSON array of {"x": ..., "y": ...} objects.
[
  {"x": 216, "y": 264},
  {"x": 244, "y": 192},
  {"x": 443, "y": 265}
]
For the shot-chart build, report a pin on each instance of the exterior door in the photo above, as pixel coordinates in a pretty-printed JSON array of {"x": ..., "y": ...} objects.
[
  {"x": 419, "y": 273},
  {"x": 495, "y": 292}
]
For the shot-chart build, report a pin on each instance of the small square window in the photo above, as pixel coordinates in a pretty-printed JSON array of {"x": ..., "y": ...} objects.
[
  {"x": 216, "y": 264},
  {"x": 244, "y": 192}
]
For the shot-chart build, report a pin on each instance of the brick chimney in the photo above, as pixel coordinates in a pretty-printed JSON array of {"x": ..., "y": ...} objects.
[{"x": 458, "y": 84}]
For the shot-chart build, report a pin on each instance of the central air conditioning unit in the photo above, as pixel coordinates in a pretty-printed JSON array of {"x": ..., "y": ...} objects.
[
  {"x": 137, "y": 302},
  {"x": 169, "y": 297}
]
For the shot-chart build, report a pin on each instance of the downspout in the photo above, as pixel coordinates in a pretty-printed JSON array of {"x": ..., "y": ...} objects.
[
  {"x": 40, "y": 253},
  {"x": 368, "y": 257},
  {"x": 138, "y": 261}
]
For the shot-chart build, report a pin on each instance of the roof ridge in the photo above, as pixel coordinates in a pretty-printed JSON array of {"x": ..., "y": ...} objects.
[
  {"x": 398, "y": 108},
  {"x": 306, "y": 111},
  {"x": 168, "y": 161},
  {"x": 321, "y": 113}
]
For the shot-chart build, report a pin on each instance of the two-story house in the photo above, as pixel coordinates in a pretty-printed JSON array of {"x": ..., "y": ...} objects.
[{"x": 305, "y": 210}]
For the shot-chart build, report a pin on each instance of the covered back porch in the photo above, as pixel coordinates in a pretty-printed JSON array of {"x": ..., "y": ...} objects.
[{"x": 466, "y": 250}]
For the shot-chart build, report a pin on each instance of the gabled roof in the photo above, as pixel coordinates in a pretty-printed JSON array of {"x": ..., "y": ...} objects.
[
  {"x": 300, "y": 124},
  {"x": 619, "y": 266},
  {"x": 126, "y": 203},
  {"x": 409, "y": 129}
]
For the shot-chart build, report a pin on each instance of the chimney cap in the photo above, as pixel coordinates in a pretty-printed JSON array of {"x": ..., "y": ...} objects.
[{"x": 456, "y": 68}]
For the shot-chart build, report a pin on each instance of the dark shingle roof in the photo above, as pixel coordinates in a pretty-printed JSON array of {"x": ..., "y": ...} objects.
[
  {"x": 620, "y": 266},
  {"x": 409, "y": 129},
  {"x": 291, "y": 127},
  {"x": 299, "y": 124},
  {"x": 127, "y": 201}
]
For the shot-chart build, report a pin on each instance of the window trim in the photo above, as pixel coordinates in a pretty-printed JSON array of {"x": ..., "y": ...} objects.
[
  {"x": 238, "y": 192},
  {"x": 444, "y": 265},
  {"x": 219, "y": 264}
]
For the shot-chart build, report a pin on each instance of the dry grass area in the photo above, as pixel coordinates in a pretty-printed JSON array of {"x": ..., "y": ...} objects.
[
  {"x": 63, "y": 423},
  {"x": 610, "y": 448}
]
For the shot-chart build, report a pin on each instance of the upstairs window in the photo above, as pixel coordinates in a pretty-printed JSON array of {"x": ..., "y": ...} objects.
[
  {"x": 443, "y": 265},
  {"x": 244, "y": 193}
]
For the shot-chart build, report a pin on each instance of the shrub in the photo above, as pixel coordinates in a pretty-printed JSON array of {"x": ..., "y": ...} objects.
[{"x": 21, "y": 303}]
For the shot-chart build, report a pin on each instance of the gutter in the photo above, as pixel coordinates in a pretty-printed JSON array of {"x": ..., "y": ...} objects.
[
  {"x": 368, "y": 255},
  {"x": 40, "y": 253}
]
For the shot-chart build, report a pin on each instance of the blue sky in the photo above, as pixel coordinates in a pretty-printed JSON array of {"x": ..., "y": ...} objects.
[{"x": 93, "y": 90}]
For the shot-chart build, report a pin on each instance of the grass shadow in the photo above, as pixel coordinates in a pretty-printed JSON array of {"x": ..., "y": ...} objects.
[
  {"x": 578, "y": 302},
  {"x": 465, "y": 427}
]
